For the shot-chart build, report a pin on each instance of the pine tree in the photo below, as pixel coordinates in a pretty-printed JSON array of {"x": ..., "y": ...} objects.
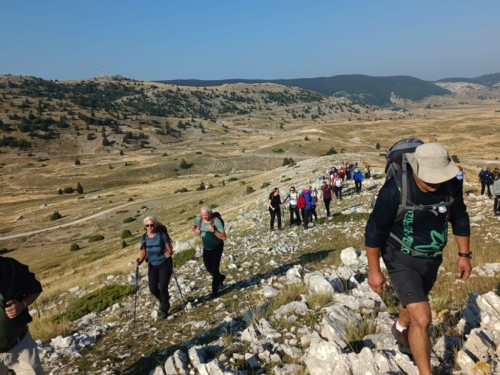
[{"x": 79, "y": 189}]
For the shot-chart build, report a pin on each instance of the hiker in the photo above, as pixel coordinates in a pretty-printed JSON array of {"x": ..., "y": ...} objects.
[
  {"x": 338, "y": 184},
  {"x": 213, "y": 236},
  {"x": 461, "y": 176},
  {"x": 274, "y": 204},
  {"x": 484, "y": 180},
  {"x": 306, "y": 193},
  {"x": 18, "y": 289},
  {"x": 357, "y": 176},
  {"x": 314, "y": 205},
  {"x": 157, "y": 248},
  {"x": 293, "y": 196},
  {"x": 412, "y": 240},
  {"x": 341, "y": 173},
  {"x": 326, "y": 193},
  {"x": 367, "y": 171},
  {"x": 495, "y": 190}
]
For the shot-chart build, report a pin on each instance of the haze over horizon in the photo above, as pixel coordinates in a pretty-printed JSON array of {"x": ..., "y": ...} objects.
[{"x": 153, "y": 40}]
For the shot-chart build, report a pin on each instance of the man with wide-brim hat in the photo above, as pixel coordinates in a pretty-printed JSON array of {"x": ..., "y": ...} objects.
[{"x": 411, "y": 241}]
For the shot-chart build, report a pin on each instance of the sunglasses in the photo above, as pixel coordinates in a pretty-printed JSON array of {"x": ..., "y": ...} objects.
[{"x": 149, "y": 225}]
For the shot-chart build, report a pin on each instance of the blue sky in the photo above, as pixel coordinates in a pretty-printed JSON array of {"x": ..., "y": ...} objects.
[{"x": 212, "y": 39}]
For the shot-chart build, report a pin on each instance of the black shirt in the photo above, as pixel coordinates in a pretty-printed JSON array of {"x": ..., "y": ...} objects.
[
  {"x": 421, "y": 230},
  {"x": 275, "y": 200}
]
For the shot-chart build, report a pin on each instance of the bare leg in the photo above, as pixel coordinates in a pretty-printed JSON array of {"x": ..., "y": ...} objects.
[{"x": 418, "y": 336}]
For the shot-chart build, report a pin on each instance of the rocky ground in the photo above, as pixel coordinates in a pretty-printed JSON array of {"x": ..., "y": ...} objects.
[{"x": 254, "y": 329}]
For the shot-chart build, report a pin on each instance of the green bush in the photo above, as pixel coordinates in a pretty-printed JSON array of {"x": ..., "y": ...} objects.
[
  {"x": 182, "y": 257},
  {"x": 96, "y": 238},
  {"x": 77, "y": 161},
  {"x": 331, "y": 151},
  {"x": 128, "y": 220},
  {"x": 131, "y": 199},
  {"x": 231, "y": 179},
  {"x": 74, "y": 247},
  {"x": 96, "y": 301},
  {"x": 124, "y": 244},
  {"x": 201, "y": 187},
  {"x": 249, "y": 190},
  {"x": 60, "y": 192},
  {"x": 68, "y": 190},
  {"x": 264, "y": 185},
  {"x": 126, "y": 233},
  {"x": 55, "y": 216},
  {"x": 377, "y": 146},
  {"x": 279, "y": 151},
  {"x": 455, "y": 158}
]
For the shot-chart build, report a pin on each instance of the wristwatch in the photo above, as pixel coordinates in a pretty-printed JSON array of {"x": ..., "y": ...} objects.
[{"x": 465, "y": 255}]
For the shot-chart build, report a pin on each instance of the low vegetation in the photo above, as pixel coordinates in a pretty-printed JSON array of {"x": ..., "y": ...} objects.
[{"x": 96, "y": 301}]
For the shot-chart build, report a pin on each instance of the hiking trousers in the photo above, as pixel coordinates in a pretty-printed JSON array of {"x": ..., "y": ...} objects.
[
  {"x": 22, "y": 359},
  {"x": 485, "y": 184},
  {"x": 274, "y": 213},
  {"x": 327, "y": 202},
  {"x": 338, "y": 192},
  {"x": 358, "y": 185},
  {"x": 496, "y": 205},
  {"x": 294, "y": 211},
  {"x": 159, "y": 278},
  {"x": 307, "y": 217},
  {"x": 211, "y": 259}
]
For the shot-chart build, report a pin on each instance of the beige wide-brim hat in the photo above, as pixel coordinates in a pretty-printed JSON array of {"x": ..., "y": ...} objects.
[{"x": 432, "y": 163}]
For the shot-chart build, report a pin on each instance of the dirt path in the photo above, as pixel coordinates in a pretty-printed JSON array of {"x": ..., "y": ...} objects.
[{"x": 67, "y": 224}]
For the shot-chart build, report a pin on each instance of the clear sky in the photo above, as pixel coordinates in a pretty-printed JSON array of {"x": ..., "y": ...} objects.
[{"x": 259, "y": 39}]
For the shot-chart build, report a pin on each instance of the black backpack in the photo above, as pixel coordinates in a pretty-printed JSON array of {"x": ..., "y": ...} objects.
[{"x": 397, "y": 167}]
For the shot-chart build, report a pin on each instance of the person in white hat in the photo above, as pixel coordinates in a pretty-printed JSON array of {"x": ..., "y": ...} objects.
[{"x": 412, "y": 240}]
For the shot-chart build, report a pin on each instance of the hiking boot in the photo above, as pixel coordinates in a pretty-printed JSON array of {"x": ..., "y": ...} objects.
[
  {"x": 163, "y": 315},
  {"x": 402, "y": 339},
  {"x": 221, "y": 284},
  {"x": 214, "y": 295}
]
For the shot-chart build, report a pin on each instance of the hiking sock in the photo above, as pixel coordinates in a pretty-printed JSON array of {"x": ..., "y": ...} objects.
[{"x": 399, "y": 327}]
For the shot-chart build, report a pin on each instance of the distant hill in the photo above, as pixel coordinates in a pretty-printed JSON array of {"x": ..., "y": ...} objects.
[
  {"x": 367, "y": 89},
  {"x": 489, "y": 80}
]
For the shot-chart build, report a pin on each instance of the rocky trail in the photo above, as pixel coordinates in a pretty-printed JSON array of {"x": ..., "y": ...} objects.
[{"x": 252, "y": 329}]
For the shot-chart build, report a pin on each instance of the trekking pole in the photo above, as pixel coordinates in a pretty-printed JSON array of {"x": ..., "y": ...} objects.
[
  {"x": 136, "y": 288},
  {"x": 178, "y": 286}
]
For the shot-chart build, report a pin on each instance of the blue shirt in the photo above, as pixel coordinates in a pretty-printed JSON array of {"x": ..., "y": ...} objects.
[{"x": 154, "y": 251}]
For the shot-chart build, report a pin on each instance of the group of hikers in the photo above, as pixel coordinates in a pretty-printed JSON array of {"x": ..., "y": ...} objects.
[
  {"x": 303, "y": 205},
  {"x": 489, "y": 181},
  {"x": 420, "y": 196}
]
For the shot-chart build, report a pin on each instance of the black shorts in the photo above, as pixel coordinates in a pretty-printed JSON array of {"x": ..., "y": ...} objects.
[{"x": 412, "y": 277}]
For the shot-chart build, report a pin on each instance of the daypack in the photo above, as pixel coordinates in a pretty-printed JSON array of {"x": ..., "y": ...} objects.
[
  {"x": 159, "y": 228},
  {"x": 214, "y": 215},
  {"x": 397, "y": 167},
  {"x": 301, "y": 202}
]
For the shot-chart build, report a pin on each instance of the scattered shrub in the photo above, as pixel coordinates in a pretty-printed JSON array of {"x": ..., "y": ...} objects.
[
  {"x": 264, "y": 185},
  {"x": 183, "y": 257},
  {"x": 331, "y": 151},
  {"x": 455, "y": 158},
  {"x": 55, "y": 216},
  {"x": 306, "y": 138},
  {"x": 68, "y": 190},
  {"x": 279, "y": 150},
  {"x": 131, "y": 199},
  {"x": 60, "y": 192},
  {"x": 185, "y": 165},
  {"x": 128, "y": 220},
  {"x": 79, "y": 189},
  {"x": 249, "y": 190},
  {"x": 231, "y": 179},
  {"x": 126, "y": 233},
  {"x": 74, "y": 247},
  {"x": 77, "y": 161},
  {"x": 201, "y": 187},
  {"x": 124, "y": 244},
  {"x": 183, "y": 190},
  {"x": 210, "y": 186},
  {"x": 377, "y": 146},
  {"x": 96, "y": 238},
  {"x": 96, "y": 301}
]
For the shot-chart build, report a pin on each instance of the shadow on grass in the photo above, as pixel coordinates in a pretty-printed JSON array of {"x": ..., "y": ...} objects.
[{"x": 6, "y": 251}]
